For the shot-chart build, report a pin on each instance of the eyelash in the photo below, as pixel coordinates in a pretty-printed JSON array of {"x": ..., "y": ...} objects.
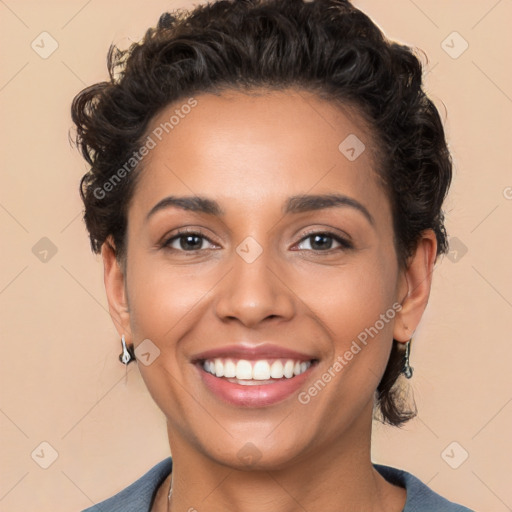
[{"x": 344, "y": 243}]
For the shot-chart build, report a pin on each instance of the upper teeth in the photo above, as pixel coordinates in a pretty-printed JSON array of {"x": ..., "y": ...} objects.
[{"x": 257, "y": 370}]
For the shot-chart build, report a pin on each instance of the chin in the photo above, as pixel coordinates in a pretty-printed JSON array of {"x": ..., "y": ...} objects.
[{"x": 257, "y": 451}]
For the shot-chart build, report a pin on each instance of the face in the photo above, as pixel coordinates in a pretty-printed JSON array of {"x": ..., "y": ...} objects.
[{"x": 222, "y": 293}]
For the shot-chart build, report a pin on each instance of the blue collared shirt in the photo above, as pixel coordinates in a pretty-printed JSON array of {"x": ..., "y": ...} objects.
[{"x": 138, "y": 497}]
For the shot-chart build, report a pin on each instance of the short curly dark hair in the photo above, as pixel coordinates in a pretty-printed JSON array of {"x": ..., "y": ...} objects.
[{"x": 327, "y": 47}]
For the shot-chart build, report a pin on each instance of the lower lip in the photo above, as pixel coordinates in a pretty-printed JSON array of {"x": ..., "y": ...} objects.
[{"x": 254, "y": 395}]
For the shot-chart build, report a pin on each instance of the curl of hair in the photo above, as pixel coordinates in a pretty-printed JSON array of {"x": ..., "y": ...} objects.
[{"x": 323, "y": 46}]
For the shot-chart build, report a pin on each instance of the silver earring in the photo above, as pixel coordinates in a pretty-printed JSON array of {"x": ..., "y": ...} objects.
[
  {"x": 126, "y": 356},
  {"x": 407, "y": 369}
]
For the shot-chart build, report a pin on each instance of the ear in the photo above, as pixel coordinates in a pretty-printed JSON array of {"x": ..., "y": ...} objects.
[
  {"x": 414, "y": 286},
  {"x": 115, "y": 286}
]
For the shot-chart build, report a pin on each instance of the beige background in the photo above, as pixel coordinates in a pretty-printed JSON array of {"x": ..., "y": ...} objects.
[{"x": 60, "y": 379}]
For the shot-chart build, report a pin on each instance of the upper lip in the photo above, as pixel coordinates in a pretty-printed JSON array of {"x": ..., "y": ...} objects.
[{"x": 252, "y": 352}]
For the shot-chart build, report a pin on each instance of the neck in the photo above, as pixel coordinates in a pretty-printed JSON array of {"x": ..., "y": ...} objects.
[{"x": 338, "y": 477}]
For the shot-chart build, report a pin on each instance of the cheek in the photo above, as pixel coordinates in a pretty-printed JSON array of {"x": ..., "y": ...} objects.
[
  {"x": 163, "y": 298},
  {"x": 165, "y": 304},
  {"x": 352, "y": 297},
  {"x": 358, "y": 309}
]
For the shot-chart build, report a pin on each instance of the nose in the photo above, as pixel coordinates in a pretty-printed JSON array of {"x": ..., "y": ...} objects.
[{"x": 254, "y": 292}]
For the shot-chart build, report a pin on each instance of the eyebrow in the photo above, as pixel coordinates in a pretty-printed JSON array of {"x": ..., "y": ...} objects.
[{"x": 294, "y": 204}]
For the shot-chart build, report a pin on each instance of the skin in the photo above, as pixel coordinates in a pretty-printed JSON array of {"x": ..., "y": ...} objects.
[{"x": 250, "y": 153}]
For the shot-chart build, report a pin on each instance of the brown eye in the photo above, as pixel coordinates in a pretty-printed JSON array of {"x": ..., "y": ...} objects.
[
  {"x": 188, "y": 241},
  {"x": 323, "y": 241}
]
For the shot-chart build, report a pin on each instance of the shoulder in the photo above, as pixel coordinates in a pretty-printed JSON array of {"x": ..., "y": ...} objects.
[
  {"x": 138, "y": 496},
  {"x": 420, "y": 498}
]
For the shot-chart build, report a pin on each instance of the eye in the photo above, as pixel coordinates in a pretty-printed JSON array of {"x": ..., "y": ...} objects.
[
  {"x": 322, "y": 241},
  {"x": 187, "y": 241}
]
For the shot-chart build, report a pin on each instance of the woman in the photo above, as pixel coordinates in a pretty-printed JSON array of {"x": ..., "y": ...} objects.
[{"x": 265, "y": 189}]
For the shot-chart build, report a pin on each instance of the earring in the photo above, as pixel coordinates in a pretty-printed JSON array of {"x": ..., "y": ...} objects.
[
  {"x": 407, "y": 369},
  {"x": 127, "y": 355}
]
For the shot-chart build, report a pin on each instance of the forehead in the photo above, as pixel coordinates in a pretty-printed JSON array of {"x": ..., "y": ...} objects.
[{"x": 249, "y": 150}]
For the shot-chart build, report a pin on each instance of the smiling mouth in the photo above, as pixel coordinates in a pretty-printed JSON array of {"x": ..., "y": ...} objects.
[{"x": 255, "y": 372}]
